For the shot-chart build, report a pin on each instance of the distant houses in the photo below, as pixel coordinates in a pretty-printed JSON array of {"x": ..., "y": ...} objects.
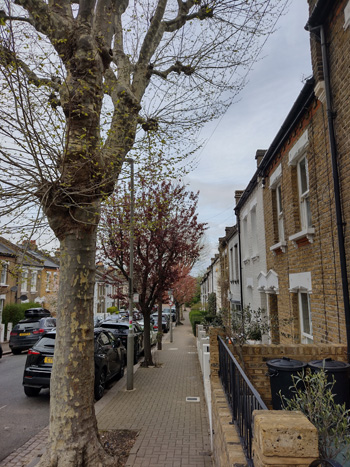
[
  {"x": 289, "y": 252},
  {"x": 29, "y": 275}
]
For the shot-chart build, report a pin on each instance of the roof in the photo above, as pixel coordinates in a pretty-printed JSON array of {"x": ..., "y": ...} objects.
[
  {"x": 319, "y": 13},
  {"x": 16, "y": 251},
  {"x": 299, "y": 106},
  {"x": 47, "y": 261},
  {"x": 5, "y": 251}
]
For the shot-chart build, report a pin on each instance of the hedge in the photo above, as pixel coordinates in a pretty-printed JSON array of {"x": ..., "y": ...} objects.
[
  {"x": 196, "y": 317},
  {"x": 15, "y": 312}
]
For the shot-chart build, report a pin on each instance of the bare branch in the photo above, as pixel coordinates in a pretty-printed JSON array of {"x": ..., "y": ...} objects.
[
  {"x": 178, "y": 68},
  {"x": 8, "y": 58}
]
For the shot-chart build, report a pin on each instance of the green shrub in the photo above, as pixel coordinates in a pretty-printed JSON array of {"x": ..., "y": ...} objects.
[
  {"x": 314, "y": 397},
  {"x": 196, "y": 317},
  {"x": 14, "y": 312}
]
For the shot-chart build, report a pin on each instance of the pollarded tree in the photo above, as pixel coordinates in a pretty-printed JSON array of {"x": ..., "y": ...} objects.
[
  {"x": 81, "y": 83},
  {"x": 166, "y": 233}
]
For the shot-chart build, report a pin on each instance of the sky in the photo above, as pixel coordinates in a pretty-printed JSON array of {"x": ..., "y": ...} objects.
[{"x": 227, "y": 161}]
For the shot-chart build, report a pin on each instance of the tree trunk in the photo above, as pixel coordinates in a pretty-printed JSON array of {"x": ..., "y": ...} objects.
[
  {"x": 73, "y": 427},
  {"x": 147, "y": 339},
  {"x": 160, "y": 327},
  {"x": 178, "y": 317}
]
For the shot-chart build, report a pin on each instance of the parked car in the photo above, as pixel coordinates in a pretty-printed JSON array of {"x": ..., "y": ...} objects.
[
  {"x": 27, "y": 331},
  {"x": 121, "y": 329},
  {"x": 152, "y": 332},
  {"x": 165, "y": 324},
  {"x": 170, "y": 313},
  {"x": 165, "y": 321},
  {"x": 110, "y": 359}
]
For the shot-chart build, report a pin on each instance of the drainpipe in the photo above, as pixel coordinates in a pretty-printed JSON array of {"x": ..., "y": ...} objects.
[
  {"x": 336, "y": 182},
  {"x": 240, "y": 260}
]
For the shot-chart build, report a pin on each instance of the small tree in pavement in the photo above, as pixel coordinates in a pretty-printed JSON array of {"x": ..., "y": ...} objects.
[{"x": 166, "y": 233}]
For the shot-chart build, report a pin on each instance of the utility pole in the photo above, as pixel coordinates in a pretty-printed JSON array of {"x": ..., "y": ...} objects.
[{"x": 130, "y": 345}]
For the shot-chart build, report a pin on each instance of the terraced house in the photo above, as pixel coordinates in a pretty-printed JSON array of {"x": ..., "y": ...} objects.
[{"x": 298, "y": 201}]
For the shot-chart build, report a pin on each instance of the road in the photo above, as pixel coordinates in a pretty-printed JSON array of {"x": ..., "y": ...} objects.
[{"x": 21, "y": 417}]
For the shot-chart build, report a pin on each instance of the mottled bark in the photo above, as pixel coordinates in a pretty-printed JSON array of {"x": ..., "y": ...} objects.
[{"x": 73, "y": 437}]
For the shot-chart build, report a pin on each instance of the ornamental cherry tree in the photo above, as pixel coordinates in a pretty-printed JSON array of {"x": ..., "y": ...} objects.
[
  {"x": 184, "y": 290},
  {"x": 166, "y": 233}
]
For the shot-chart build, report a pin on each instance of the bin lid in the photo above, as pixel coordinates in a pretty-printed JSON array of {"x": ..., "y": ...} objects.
[
  {"x": 286, "y": 364},
  {"x": 329, "y": 364}
]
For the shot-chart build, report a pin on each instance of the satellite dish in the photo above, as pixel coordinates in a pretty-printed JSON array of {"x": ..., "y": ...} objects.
[
  {"x": 14, "y": 288},
  {"x": 23, "y": 297}
]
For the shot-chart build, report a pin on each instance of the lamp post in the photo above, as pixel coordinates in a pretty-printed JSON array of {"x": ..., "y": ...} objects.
[
  {"x": 170, "y": 293},
  {"x": 130, "y": 345}
]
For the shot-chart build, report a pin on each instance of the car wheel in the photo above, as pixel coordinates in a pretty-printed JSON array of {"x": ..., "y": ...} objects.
[
  {"x": 16, "y": 351},
  {"x": 31, "y": 392},
  {"x": 100, "y": 384}
]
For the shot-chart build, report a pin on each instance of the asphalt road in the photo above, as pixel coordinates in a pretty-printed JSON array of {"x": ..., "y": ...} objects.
[{"x": 21, "y": 417}]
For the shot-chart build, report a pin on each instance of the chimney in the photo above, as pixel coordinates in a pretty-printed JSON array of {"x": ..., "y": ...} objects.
[
  {"x": 238, "y": 195},
  {"x": 260, "y": 153}
]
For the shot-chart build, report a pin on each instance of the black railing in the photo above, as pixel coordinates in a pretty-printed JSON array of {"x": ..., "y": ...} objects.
[{"x": 242, "y": 397}]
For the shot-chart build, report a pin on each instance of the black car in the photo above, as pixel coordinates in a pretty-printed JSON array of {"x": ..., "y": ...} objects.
[
  {"x": 165, "y": 326},
  {"x": 24, "y": 334},
  {"x": 121, "y": 329},
  {"x": 110, "y": 359},
  {"x": 165, "y": 321}
]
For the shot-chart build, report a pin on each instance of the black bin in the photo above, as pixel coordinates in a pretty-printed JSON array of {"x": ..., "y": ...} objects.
[
  {"x": 281, "y": 371},
  {"x": 340, "y": 372}
]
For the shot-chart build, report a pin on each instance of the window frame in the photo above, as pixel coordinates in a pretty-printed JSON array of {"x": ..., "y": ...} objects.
[
  {"x": 279, "y": 210},
  {"x": 4, "y": 272},
  {"x": 24, "y": 280},
  {"x": 304, "y": 194},
  {"x": 33, "y": 281},
  {"x": 306, "y": 337}
]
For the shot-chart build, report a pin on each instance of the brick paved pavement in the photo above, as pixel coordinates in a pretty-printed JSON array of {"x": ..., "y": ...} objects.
[{"x": 173, "y": 432}]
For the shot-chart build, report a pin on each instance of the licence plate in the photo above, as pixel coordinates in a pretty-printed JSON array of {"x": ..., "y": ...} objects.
[
  {"x": 24, "y": 333},
  {"x": 48, "y": 360}
]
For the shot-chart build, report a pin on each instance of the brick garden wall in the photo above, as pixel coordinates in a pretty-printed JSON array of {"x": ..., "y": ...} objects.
[{"x": 256, "y": 356}]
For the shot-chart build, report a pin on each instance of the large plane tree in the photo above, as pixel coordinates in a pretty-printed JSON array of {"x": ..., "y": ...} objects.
[{"x": 83, "y": 83}]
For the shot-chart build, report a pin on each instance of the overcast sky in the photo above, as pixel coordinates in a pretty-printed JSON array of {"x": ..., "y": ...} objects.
[{"x": 227, "y": 162}]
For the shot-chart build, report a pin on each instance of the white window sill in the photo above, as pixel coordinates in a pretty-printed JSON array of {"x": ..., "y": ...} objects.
[
  {"x": 280, "y": 246},
  {"x": 308, "y": 233}
]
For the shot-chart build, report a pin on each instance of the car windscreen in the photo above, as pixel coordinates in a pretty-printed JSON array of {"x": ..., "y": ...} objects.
[
  {"x": 46, "y": 343},
  {"x": 48, "y": 322},
  {"x": 115, "y": 327},
  {"x": 27, "y": 325}
]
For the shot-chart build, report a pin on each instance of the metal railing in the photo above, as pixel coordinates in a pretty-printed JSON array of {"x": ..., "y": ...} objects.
[{"x": 242, "y": 397}]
